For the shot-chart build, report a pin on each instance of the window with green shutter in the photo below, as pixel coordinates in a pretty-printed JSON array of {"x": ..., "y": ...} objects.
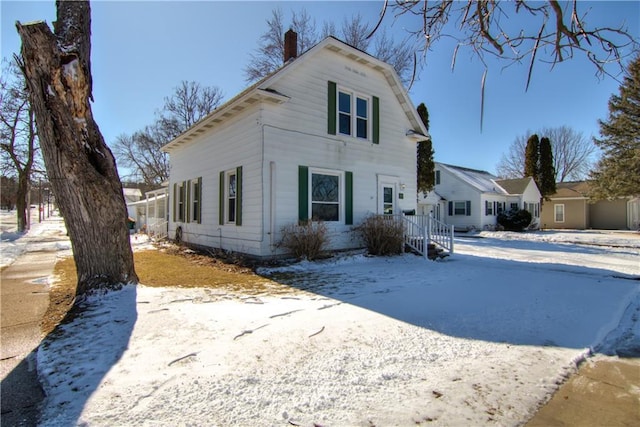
[
  {"x": 325, "y": 195},
  {"x": 230, "y": 197},
  {"x": 352, "y": 114}
]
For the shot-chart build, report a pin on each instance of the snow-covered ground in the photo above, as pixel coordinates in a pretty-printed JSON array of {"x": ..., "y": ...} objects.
[{"x": 481, "y": 338}]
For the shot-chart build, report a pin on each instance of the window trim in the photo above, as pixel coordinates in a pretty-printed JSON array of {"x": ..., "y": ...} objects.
[
  {"x": 341, "y": 192},
  {"x": 227, "y": 197},
  {"x": 195, "y": 200},
  {"x": 353, "y": 115},
  {"x": 555, "y": 213},
  {"x": 488, "y": 208}
]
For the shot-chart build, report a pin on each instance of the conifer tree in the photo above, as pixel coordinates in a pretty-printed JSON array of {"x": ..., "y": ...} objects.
[
  {"x": 618, "y": 171},
  {"x": 426, "y": 166},
  {"x": 546, "y": 172},
  {"x": 531, "y": 157}
]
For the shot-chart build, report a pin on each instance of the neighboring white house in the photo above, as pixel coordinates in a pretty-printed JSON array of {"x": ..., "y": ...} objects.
[
  {"x": 151, "y": 214},
  {"x": 131, "y": 196},
  {"x": 331, "y": 135},
  {"x": 469, "y": 198}
]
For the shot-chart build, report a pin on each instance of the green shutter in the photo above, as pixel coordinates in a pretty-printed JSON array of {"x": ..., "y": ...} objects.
[
  {"x": 187, "y": 205},
  {"x": 239, "y": 195},
  {"x": 175, "y": 201},
  {"x": 348, "y": 198},
  {"x": 199, "y": 200},
  {"x": 450, "y": 208},
  {"x": 221, "y": 200},
  {"x": 331, "y": 108},
  {"x": 303, "y": 193},
  {"x": 376, "y": 120},
  {"x": 468, "y": 207}
]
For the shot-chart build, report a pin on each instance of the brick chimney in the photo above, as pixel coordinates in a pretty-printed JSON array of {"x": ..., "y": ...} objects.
[{"x": 290, "y": 45}]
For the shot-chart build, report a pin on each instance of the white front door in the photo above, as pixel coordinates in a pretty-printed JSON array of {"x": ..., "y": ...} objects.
[{"x": 387, "y": 195}]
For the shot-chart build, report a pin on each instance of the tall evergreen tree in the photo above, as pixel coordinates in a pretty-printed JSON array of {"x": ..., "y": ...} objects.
[
  {"x": 531, "y": 157},
  {"x": 426, "y": 166},
  {"x": 546, "y": 172},
  {"x": 618, "y": 172}
]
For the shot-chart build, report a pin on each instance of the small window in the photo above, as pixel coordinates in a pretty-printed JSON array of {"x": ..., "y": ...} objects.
[
  {"x": 437, "y": 177},
  {"x": 514, "y": 206},
  {"x": 459, "y": 208},
  {"x": 180, "y": 199},
  {"x": 558, "y": 213},
  {"x": 196, "y": 192},
  {"x": 488, "y": 208},
  {"x": 344, "y": 113},
  {"x": 387, "y": 203},
  {"x": 325, "y": 197},
  {"x": 362, "y": 118},
  {"x": 231, "y": 196}
]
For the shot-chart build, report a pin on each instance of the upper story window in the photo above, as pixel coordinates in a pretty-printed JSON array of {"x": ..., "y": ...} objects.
[
  {"x": 353, "y": 114},
  {"x": 349, "y": 123}
]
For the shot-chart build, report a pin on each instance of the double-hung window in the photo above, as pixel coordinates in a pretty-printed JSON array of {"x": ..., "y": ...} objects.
[
  {"x": 232, "y": 180},
  {"x": 488, "y": 208},
  {"x": 349, "y": 123},
  {"x": 353, "y": 114},
  {"x": 460, "y": 207},
  {"x": 558, "y": 211},
  {"x": 344, "y": 112},
  {"x": 230, "y": 201},
  {"x": 325, "y": 195}
]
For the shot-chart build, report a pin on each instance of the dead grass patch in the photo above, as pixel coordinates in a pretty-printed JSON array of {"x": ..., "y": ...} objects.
[{"x": 173, "y": 266}]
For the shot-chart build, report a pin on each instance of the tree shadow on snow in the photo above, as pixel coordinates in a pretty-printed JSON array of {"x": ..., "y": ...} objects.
[
  {"x": 539, "y": 304},
  {"x": 74, "y": 358}
]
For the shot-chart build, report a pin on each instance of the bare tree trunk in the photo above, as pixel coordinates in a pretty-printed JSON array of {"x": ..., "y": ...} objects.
[
  {"x": 81, "y": 168},
  {"x": 22, "y": 202}
]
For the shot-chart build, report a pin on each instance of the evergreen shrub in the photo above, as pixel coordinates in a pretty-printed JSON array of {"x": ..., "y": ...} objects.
[{"x": 514, "y": 219}]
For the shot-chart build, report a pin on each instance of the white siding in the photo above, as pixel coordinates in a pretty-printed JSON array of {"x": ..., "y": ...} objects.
[
  {"x": 454, "y": 189},
  {"x": 296, "y": 134},
  {"x": 235, "y": 143},
  {"x": 272, "y": 140}
]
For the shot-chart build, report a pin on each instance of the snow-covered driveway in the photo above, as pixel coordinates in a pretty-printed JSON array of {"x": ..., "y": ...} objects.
[{"x": 473, "y": 340}]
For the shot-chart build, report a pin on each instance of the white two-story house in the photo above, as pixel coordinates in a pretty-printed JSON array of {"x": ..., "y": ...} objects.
[{"x": 330, "y": 136}]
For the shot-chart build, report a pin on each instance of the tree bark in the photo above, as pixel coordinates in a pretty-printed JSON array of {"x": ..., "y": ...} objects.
[{"x": 81, "y": 168}]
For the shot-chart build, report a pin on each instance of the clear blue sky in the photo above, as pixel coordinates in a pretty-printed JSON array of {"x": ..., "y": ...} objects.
[{"x": 142, "y": 50}]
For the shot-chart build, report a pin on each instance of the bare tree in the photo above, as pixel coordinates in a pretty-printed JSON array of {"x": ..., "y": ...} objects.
[
  {"x": 269, "y": 54},
  {"x": 354, "y": 32},
  {"x": 189, "y": 103},
  {"x": 573, "y": 154},
  {"x": 555, "y": 31},
  {"x": 80, "y": 166},
  {"x": 18, "y": 139},
  {"x": 140, "y": 153}
]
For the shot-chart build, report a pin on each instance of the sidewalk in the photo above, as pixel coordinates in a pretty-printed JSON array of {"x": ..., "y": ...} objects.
[
  {"x": 24, "y": 299},
  {"x": 604, "y": 392}
]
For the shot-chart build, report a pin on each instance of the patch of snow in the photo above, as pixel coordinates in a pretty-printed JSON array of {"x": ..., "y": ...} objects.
[{"x": 481, "y": 338}]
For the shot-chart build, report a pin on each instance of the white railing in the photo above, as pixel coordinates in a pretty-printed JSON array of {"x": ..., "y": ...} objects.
[
  {"x": 158, "y": 229},
  {"x": 421, "y": 230}
]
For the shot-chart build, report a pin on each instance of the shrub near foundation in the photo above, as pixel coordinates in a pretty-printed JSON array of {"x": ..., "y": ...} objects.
[
  {"x": 305, "y": 240},
  {"x": 382, "y": 235}
]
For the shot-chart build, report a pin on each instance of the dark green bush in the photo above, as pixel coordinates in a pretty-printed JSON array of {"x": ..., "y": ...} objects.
[
  {"x": 383, "y": 235},
  {"x": 514, "y": 219}
]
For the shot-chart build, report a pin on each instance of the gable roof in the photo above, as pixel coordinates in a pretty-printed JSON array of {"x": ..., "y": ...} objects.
[
  {"x": 261, "y": 91},
  {"x": 481, "y": 180},
  {"x": 573, "y": 189},
  {"x": 514, "y": 186}
]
